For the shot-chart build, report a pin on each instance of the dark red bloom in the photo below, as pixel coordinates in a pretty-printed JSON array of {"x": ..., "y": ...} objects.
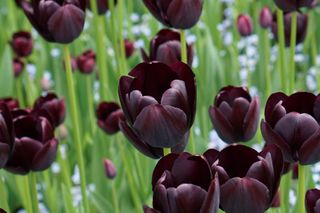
[
  {"x": 86, "y": 62},
  {"x": 184, "y": 183},
  {"x": 10, "y": 102},
  {"x": 292, "y": 5},
  {"x": 109, "y": 115},
  {"x": 109, "y": 168},
  {"x": 18, "y": 66},
  {"x": 244, "y": 25},
  {"x": 166, "y": 48},
  {"x": 302, "y": 25},
  {"x": 291, "y": 122},
  {"x": 235, "y": 115},
  {"x": 248, "y": 180},
  {"x": 59, "y": 21},
  {"x": 180, "y": 14},
  {"x": 129, "y": 48},
  {"x": 312, "y": 201},
  {"x": 35, "y": 146},
  {"x": 51, "y": 107},
  {"x": 102, "y": 5},
  {"x": 159, "y": 104},
  {"x": 265, "y": 17},
  {"x": 21, "y": 43}
]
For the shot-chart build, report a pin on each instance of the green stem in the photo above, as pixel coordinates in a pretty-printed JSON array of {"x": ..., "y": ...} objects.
[
  {"x": 75, "y": 124},
  {"x": 3, "y": 194},
  {"x": 284, "y": 192},
  {"x": 293, "y": 39},
  {"x": 19, "y": 91},
  {"x": 90, "y": 103},
  {"x": 166, "y": 151},
  {"x": 121, "y": 38},
  {"x": 281, "y": 44},
  {"x": 266, "y": 61},
  {"x": 34, "y": 197},
  {"x": 301, "y": 188},
  {"x": 115, "y": 198},
  {"x": 184, "y": 57},
  {"x": 26, "y": 192}
]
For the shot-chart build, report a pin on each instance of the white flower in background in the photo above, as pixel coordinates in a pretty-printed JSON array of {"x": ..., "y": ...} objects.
[
  {"x": 55, "y": 168},
  {"x": 215, "y": 141},
  {"x": 55, "y": 52}
]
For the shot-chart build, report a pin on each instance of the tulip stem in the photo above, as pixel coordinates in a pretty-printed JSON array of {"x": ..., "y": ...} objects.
[
  {"x": 75, "y": 126},
  {"x": 90, "y": 104},
  {"x": 301, "y": 188},
  {"x": 293, "y": 39},
  {"x": 184, "y": 57},
  {"x": 281, "y": 46},
  {"x": 33, "y": 191},
  {"x": 166, "y": 151},
  {"x": 284, "y": 192},
  {"x": 19, "y": 90},
  {"x": 266, "y": 61}
]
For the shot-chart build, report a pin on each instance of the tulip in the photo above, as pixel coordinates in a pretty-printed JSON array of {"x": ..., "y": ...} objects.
[
  {"x": 110, "y": 169},
  {"x": 180, "y": 14},
  {"x": 248, "y": 180},
  {"x": 10, "y": 102},
  {"x": 109, "y": 115},
  {"x": 159, "y": 104},
  {"x": 18, "y": 66},
  {"x": 129, "y": 48},
  {"x": 292, "y": 5},
  {"x": 102, "y": 5},
  {"x": 184, "y": 183},
  {"x": 56, "y": 21},
  {"x": 244, "y": 25},
  {"x": 6, "y": 134},
  {"x": 35, "y": 146},
  {"x": 22, "y": 44},
  {"x": 235, "y": 115},
  {"x": 166, "y": 48},
  {"x": 86, "y": 62},
  {"x": 302, "y": 25},
  {"x": 312, "y": 201},
  {"x": 265, "y": 18},
  {"x": 50, "y": 107},
  {"x": 291, "y": 122}
]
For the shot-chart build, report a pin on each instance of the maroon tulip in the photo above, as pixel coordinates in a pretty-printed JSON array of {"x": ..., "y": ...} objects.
[
  {"x": 6, "y": 134},
  {"x": 235, "y": 115},
  {"x": 129, "y": 48},
  {"x": 265, "y": 18},
  {"x": 244, "y": 25},
  {"x": 50, "y": 107},
  {"x": 302, "y": 25},
  {"x": 22, "y": 44},
  {"x": 248, "y": 180},
  {"x": 292, "y": 5},
  {"x": 166, "y": 48},
  {"x": 35, "y": 146},
  {"x": 312, "y": 201},
  {"x": 10, "y": 102},
  {"x": 102, "y": 5},
  {"x": 86, "y": 62},
  {"x": 59, "y": 21},
  {"x": 184, "y": 183},
  {"x": 159, "y": 104},
  {"x": 180, "y": 14},
  {"x": 109, "y": 115},
  {"x": 291, "y": 122},
  {"x": 18, "y": 66},
  {"x": 109, "y": 168}
]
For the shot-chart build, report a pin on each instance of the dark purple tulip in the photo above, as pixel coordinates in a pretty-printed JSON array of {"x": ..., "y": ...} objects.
[
  {"x": 102, "y": 5},
  {"x": 166, "y": 48},
  {"x": 291, "y": 122},
  {"x": 248, "y": 180},
  {"x": 302, "y": 25},
  {"x": 10, "y": 102},
  {"x": 312, "y": 201},
  {"x": 109, "y": 115},
  {"x": 159, "y": 103},
  {"x": 109, "y": 168},
  {"x": 21, "y": 43},
  {"x": 244, "y": 25},
  {"x": 235, "y": 115},
  {"x": 18, "y": 66},
  {"x": 35, "y": 146},
  {"x": 86, "y": 62},
  {"x": 51, "y": 107},
  {"x": 6, "y": 134},
  {"x": 184, "y": 183},
  {"x": 180, "y": 14},
  {"x": 265, "y": 18},
  {"x": 129, "y": 48},
  {"x": 292, "y": 5},
  {"x": 59, "y": 21}
]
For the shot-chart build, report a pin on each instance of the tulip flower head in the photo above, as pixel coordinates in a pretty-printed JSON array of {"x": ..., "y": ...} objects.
[
  {"x": 293, "y": 5},
  {"x": 102, "y": 5},
  {"x": 129, "y": 48},
  {"x": 18, "y": 66},
  {"x": 109, "y": 168},
  {"x": 86, "y": 62},
  {"x": 109, "y": 115},
  {"x": 312, "y": 201},
  {"x": 265, "y": 18},
  {"x": 22, "y": 44},
  {"x": 10, "y": 102},
  {"x": 244, "y": 25}
]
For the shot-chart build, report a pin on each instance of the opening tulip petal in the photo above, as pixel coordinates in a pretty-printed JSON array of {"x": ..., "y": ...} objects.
[
  {"x": 221, "y": 125},
  {"x": 211, "y": 155},
  {"x": 251, "y": 120},
  {"x": 153, "y": 8},
  {"x": 301, "y": 102},
  {"x": 44, "y": 158},
  {"x": 160, "y": 199},
  {"x": 239, "y": 110},
  {"x": 312, "y": 196},
  {"x": 4, "y": 154},
  {"x": 310, "y": 149},
  {"x": 212, "y": 201},
  {"x": 272, "y": 101}
]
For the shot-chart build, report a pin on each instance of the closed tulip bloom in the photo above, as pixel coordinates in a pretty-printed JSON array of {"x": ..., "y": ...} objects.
[
  {"x": 244, "y": 25},
  {"x": 102, "y": 5},
  {"x": 35, "y": 146},
  {"x": 6, "y": 134},
  {"x": 129, "y": 48},
  {"x": 184, "y": 183},
  {"x": 18, "y": 66},
  {"x": 265, "y": 18},
  {"x": 180, "y": 14},
  {"x": 86, "y": 62},
  {"x": 291, "y": 122},
  {"x": 166, "y": 48},
  {"x": 10, "y": 102},
  {"x": 109, "y": 115},
  {"x": 235, "y": 114},
  {"x": 159, "y": 104},
  {"x": 312, "y": 201},
  {"x": 51, "y": 107},
  {"x": 248, "y": 180},
  {"x": 292, "y": 5},
  {"x": 22, "y": 44},
  {"x": 302, "y": 25},
  {"x": 109, "y": 168},
  {"x": 57, "y": 21}
]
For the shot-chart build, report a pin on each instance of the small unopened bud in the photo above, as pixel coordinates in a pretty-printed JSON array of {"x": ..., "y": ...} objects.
[
  {"x": 109, "y": 168},
  {"x": 244, "y": 24},
  {"x": 18, "y": 66},
  {"x": 129, "y": 47},
  {"x": 265, "y": 18}
]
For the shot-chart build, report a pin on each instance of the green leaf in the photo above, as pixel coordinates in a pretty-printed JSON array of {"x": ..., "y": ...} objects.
[{"x": 6, "y": 73}]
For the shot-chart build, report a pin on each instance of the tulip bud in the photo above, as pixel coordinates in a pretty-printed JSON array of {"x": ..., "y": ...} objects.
[
  {"x": 292, "y": 5},
  {"x": 265, "y": 18},
  {"x": 22, "y": 44},
  {"x": 86, "y": 62},
  {"x": 244, "y": 24},
  {"x": 10, "y": 102},
  {"x": 129, "y": 48},
  {"x": 110, "y": 169},
  {"x": 18, "y": 66},
  {"x": 102, "y": 5},
  {"x": 312, "y": 201},
  {"x": 109, "y": 115}
]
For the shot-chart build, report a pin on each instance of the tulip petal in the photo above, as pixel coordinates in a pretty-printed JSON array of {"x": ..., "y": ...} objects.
[
  {"x": 160, "y": 199},
  {"x": 301, "y": 102},
  {"x": 212, "y": 201},
  {"x": 310, "y": 149},
  {"x": 311, "y": 198},
  {"x": 4, "y": 154},
  {"x": 189, "y": 198},
  {"x": 222, "y": 174},
  {"x": 251, "y": 120},
  {"x": 239, "y": 110},
  {"x": 272, "y": 101},
  {"x": 45, "y": 157},
  {"x": 182, "y": 145},
  {"x": 230, "y": 93},
  {"x": 124, "y": 89},
  {"x": 153, "y": 8},
  {"x": 316, "y": 109},
  {"x": 211, "y": 155},
  {"x": 147, "y": 209},
  {"x": 221, "y": 125}
]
